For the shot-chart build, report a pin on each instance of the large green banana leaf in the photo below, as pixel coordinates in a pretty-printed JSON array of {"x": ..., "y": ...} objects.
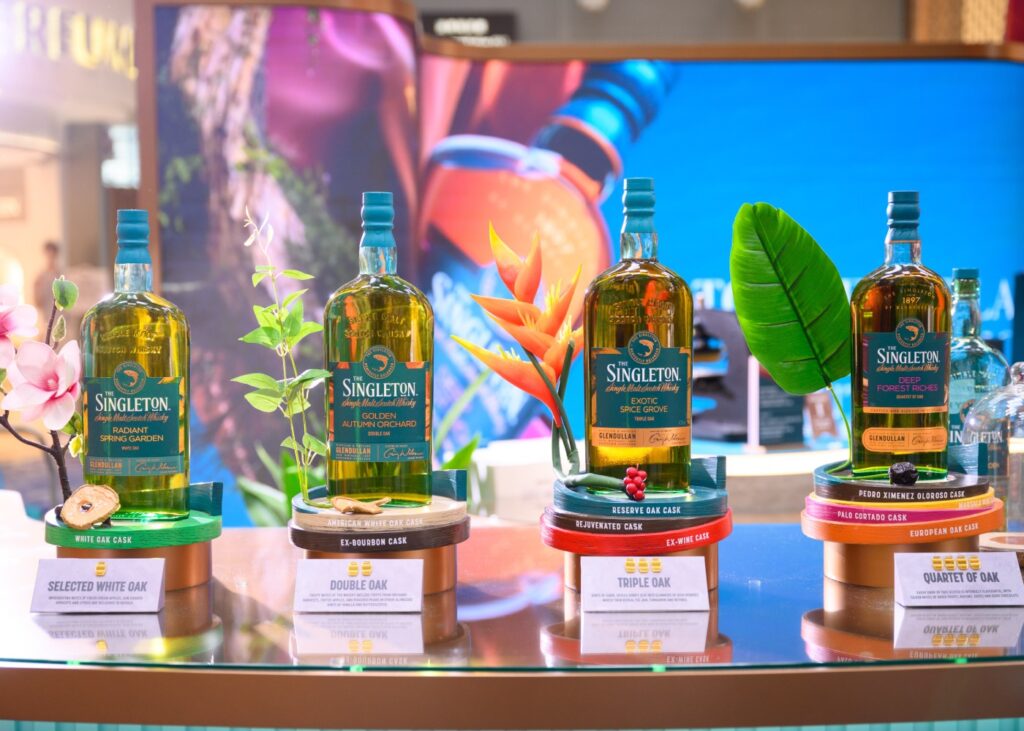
[{"x": 789, "y": 299}]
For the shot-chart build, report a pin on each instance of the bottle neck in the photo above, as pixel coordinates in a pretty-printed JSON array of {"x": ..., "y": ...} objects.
[
  {"x": 902, "y": 243},
  {"x": 379, "y": 261},
  {"x": 638, "y": 245},
  {"x": 133, "y": 278},
  {"x": 966, "y": 309}
]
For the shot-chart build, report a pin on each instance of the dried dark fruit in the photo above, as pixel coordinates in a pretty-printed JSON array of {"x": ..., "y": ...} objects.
[{"x": 903, "y": 473}]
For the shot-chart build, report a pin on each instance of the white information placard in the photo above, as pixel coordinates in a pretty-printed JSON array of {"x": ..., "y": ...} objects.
[
  {"x": 639, "y": 632},
  {"x": 99, "y": 586},
  {"x": 341, "y": 635},
  {"x": 958, "y": 580},
  {"x": 644, "y": 584},
  {"x": 954, "y": 628},
  {"x": 377, "y": 585}
]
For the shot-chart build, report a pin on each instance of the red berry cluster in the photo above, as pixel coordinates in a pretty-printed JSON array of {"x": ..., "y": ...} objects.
[{"x": 635, "y": 483}]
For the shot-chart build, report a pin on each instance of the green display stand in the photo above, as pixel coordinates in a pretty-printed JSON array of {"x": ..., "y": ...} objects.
[{"x": 184, "y": 544}]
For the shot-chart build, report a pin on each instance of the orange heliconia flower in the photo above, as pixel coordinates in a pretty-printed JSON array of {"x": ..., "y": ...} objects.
[{"x": 543, "y": 333}]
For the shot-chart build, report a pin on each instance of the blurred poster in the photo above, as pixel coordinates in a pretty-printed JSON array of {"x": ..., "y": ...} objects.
[{"x": 292, "y": 112}]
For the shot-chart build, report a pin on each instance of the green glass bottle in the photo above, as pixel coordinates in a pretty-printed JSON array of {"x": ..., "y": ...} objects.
[
  {"x": 135, "y": 347},
  {"x": 379, "y": 347},
  {"x": 639, "y": 340},
  {"x": 901, "y": 353}
]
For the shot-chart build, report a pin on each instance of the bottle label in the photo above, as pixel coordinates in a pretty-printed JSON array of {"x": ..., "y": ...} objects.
[
  {"x": 641, "y": 394},
  {"x": 906, "y": 371},
  {"x": 379, "y": 409},
  {"x": 132, "y": 422}
]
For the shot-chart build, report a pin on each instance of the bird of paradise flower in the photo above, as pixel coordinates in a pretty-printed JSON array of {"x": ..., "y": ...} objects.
[{"x": 549, "y": 341}]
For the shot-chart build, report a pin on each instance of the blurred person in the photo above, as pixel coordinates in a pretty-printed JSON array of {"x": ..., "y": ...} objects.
[{"x": 42, "y": 289}]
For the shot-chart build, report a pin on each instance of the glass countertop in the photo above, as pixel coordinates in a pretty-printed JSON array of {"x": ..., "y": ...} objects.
[{"x": 509, "y": 613}]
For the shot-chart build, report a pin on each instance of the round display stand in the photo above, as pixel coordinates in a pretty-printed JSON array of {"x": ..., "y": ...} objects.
[
  {"x": 862, "y": 553},
  {"x": 690, "y": 523},
  {"x": 185, "y": 544},
  {"x": 430, "y": 532}
]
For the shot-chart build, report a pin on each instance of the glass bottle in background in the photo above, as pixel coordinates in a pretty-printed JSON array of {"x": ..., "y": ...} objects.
[
  {"x": 901, "y": 340},
  {"x": 997, "y": 421},
  {"x": 553, "y": 187},
  {"x": 135, "y": 349},
  {"x": 379, "y": 347},
  {"x": 638, "y": 360},
  {"x": 975, "y": 368}
]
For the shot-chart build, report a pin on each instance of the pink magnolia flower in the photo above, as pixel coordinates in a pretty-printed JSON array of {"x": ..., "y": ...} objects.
[
  {"x": 15, "y": 319},
  {"x": 44, "y": 384}
]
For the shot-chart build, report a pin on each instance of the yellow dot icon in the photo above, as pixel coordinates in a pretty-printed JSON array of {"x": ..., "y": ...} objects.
[
  {"x": 950, "y": 563},
  {"x": 642, "y": 565},
  {"x": 367, "y": 568},
  {"x": 630, "y": 566},
  {"x": 937, "y": 563},
  {"x": 630, "y": 645},
  {"x": 101, "y": 568},
  {"x": 974, "y": 562},
  {"x": 655, "y": 565},
  {"x": 353, "y": 568},
  {"x": 961, "y": 563}
]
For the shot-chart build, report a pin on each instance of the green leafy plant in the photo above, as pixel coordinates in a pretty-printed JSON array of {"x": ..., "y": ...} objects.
[
  {"x": 790, "y": 302},
  {"x": 281, "y": 326}
]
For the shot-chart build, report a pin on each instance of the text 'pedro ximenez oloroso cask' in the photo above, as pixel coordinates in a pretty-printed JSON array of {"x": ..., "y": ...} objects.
[
  {"x": 639, "y": 338},
  {"x": 901, "y": 348},
  {"x": 135, "y": 347},
  {"x": 379, "y": 348}
]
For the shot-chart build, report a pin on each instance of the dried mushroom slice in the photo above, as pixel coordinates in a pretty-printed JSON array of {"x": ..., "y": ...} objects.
[
  {"x": 89, "y": 505},
  {"x": 348, "y": 505}
]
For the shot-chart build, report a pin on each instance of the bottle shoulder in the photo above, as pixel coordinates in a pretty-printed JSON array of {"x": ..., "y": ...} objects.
[
  {"x": 633, "y": 271},
  {"x": 155, "y": 305},
  {"x": 975, "y": 348},
  {"x": 900, "y": 274},
  {"x": 390, "y": 287}
]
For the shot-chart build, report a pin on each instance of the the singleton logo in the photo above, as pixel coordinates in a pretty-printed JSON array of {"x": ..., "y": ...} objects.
[
  {"x": 644, "y": 347},
  {"x": 379, "y": 362},
  {"x": 910, "y": 332},
  {"x": 129, "y": 378}
]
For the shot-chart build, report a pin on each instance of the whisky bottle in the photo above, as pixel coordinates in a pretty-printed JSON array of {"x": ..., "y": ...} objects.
[
  {"x": 975, "y": 369},
  {"x": 136, "y": 377},
  {"x": 901, "y": 339},
  {"x": 639, "y": 338},
  {"x": 379, "y": 348}
]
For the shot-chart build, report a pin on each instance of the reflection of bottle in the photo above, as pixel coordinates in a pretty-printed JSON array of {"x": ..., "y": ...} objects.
[
  {"x": 975, "y": 369},
  {"x": 136, "y": 375},
  {"x": 900, "y": 355},
  {"x": 553, "y": 187},
  {"x": 378, "y": 345},
  {"x": 639, "y": 335}
]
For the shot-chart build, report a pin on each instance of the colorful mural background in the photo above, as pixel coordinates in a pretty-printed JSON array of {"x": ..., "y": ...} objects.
[{"x": 293, "y": 112}]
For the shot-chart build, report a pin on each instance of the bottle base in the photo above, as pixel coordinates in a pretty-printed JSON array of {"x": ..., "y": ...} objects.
[
  {"x": 925, "y": 474},
  {"x": 142, "y": 516}
]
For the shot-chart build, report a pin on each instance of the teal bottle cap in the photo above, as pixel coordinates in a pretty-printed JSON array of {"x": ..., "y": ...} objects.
[
  {"x": 904, "y": 207},
  {"x": 378, "y": 209},
  {"x": 965, "y": 273},
  {"x": 638, "y": 205},
  {"x": 132, "y": 236},
  {"x": 378, "y": 214}
]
